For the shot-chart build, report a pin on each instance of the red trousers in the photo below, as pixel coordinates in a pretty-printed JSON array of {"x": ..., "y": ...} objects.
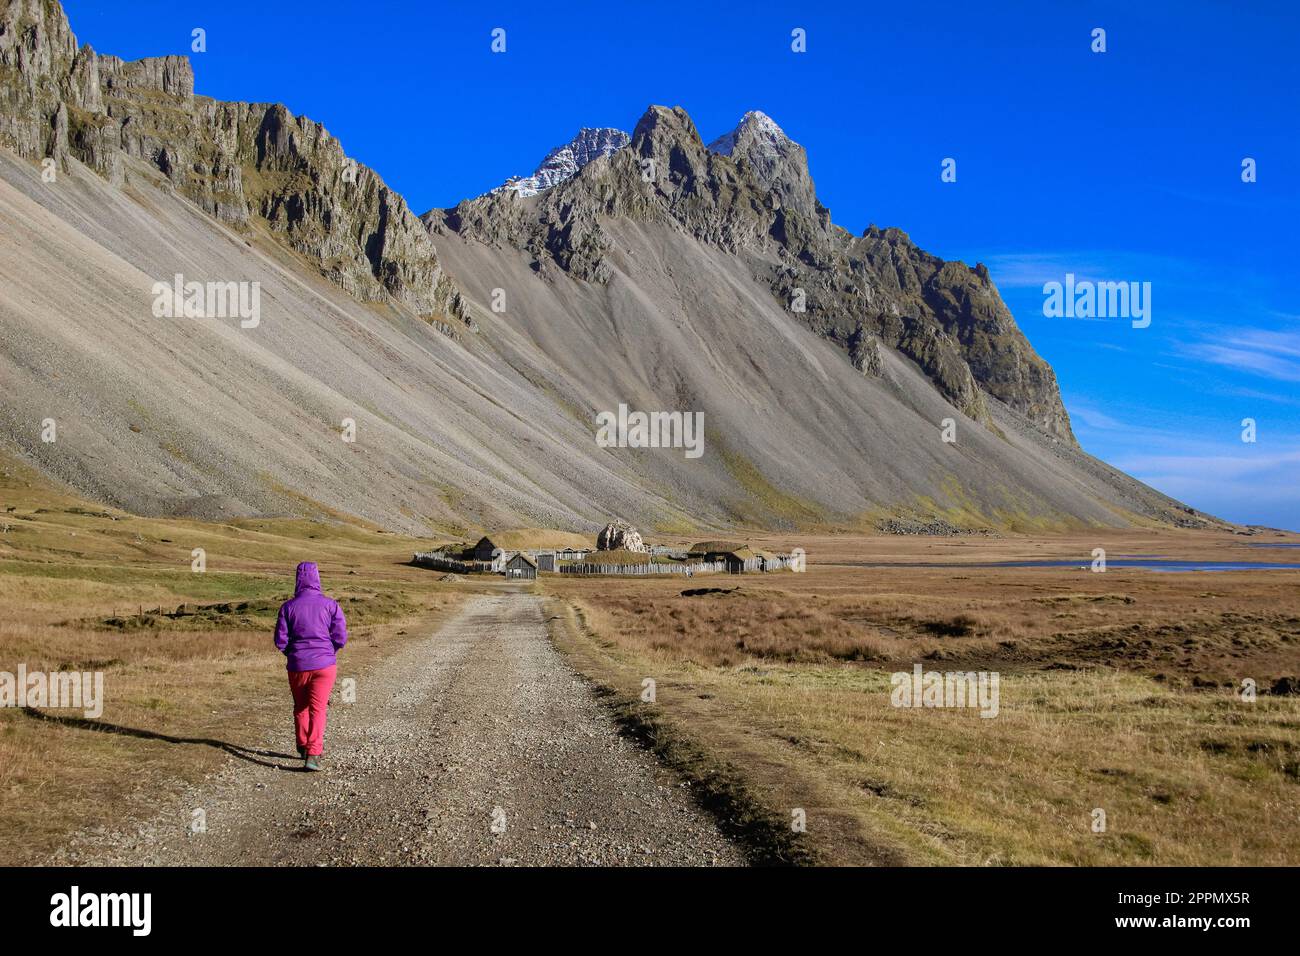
[{"x": 311, "y": 696}]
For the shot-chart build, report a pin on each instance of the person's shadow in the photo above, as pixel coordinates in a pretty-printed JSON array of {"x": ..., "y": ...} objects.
[{"x": 103, "y": 727}]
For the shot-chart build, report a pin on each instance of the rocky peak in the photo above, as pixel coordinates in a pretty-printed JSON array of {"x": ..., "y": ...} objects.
[
  {"x": 564, "y": 162},
  {"x": 669, "y": 137},
  {"x": 778, "y": 163},
  {"x": 672, "y": 176},
  {"x": 660, "y": 124},
  {"x": 754, "y": 126}
]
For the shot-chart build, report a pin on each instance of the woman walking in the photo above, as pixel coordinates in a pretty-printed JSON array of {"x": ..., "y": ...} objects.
[{"x": 310, "y": 631}]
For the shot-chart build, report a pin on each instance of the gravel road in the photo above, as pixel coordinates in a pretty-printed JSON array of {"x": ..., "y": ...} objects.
[{"x": 475, "y": 745}]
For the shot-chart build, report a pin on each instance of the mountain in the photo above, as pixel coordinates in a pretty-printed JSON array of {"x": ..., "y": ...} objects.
[
  {"x": 445, "y": 372},
  {"x": 754, "y": 198},
  {"x": 242, "y": 163},
  {"x": 563, "y": 162}
]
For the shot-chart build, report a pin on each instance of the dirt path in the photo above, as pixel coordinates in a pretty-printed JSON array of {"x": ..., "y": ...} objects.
[{"x": 481, "y": 727}]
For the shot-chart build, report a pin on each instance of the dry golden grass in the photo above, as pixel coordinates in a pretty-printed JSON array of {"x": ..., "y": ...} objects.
[
  {"x": 718, "y": 629},
  {"x": 179, "y": 696},
  {"x": 1118, "y": 692},
  {"x": 1184, "y": 629}
]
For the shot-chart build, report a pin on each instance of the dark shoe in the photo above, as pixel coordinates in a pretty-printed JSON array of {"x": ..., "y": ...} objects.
[
  {"x": 302, "y": 752},
  {"x": 312, "y": 763}
]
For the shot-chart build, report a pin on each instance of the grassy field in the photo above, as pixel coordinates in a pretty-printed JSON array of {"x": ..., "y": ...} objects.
[
  {"x": 81, "y": 588},
  {"x": 1119, "y": 692}
]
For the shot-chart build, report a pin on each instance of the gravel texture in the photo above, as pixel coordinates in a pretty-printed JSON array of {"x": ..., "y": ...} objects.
[{"x": 478, "y": 745}]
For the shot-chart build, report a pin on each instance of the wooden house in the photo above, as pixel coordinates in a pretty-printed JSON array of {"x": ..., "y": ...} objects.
[
  {"x": 521, "y": 566},
  {"x": 740, "y": 560},
  {"x": 712, "y": 551},
  {"x": 737, "y": 558}
]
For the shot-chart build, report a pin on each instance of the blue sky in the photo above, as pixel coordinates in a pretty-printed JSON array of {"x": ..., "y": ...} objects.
[{"x": 1123, "y": 165}]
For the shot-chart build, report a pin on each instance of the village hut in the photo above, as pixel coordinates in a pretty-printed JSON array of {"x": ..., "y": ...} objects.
[
  {"x": 736, "y": 558},
  {"x": 712, "y": 550},
  {"x": 521, "y": 566}
]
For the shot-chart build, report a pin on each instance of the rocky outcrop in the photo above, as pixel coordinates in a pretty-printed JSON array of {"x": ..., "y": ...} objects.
[
  {"x": 250, "y": 165},
  {"x": 750, "y": 194},
  {"x": 618, "y": 536},
  {"x": 42, "y": 73},
  {"x": 864, "y": 353}
]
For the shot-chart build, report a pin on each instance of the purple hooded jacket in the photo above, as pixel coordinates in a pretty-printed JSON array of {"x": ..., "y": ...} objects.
[{"x": 311, "y": 627}]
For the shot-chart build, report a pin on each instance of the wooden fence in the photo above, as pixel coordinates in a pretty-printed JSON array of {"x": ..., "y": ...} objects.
[
  {"x": 441, "y": 562},
  {"x": 774, "y": 563},
  {"x": 701, "y": 567}
]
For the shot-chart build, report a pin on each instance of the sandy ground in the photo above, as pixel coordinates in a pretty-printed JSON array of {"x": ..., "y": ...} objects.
[{"x": 478, "y": 745}]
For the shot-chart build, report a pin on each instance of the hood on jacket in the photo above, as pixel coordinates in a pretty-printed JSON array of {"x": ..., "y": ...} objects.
[{"x": 308, "y": 577}]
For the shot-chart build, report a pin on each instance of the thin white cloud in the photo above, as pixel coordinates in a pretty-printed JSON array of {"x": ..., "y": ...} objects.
[
  {"x": 1201, "y": 460},
  {"x": 1095, "y": 419},
  {"x": 1284, "y": 343},
  {"x": 1030, "y": 270},
  {"x": 1209, "y": 468},
  {"x": 1243, "y": 488},
  {"x": 1261, "y": 352},
  {"x": 1256, "y": 395}
]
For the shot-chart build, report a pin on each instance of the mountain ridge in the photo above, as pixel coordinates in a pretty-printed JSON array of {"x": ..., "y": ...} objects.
[
  {"x": 945, "y": 316},
  {"x": 243, "y": 163},
  {"x": 668, "y": 291}
]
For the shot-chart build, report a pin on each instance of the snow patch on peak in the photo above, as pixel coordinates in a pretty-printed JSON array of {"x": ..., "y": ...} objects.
[
  {"x": 756, "y": 122},
  {"x": 563, "y": 162}
]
